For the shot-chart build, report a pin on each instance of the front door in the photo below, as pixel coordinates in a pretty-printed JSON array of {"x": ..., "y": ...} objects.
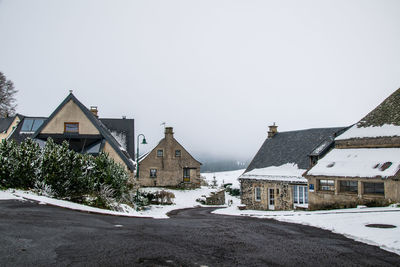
[{"x": 271, "y": 199}]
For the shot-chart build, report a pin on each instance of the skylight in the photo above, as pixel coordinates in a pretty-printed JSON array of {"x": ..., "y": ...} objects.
[{"x": 30, "y": 125}]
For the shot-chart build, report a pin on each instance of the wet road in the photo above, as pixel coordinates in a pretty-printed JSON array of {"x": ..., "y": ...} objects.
[{"x": 33, "y": 234}]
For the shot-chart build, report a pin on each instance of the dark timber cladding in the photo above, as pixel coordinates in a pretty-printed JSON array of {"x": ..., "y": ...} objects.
[{"x": 292, "y": 147}]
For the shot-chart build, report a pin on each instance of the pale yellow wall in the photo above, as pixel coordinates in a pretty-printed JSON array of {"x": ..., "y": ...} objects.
[
  {"x": 114, "y": 155},
  {"x": 70, "y": 113},
  {"x": 10, "y": 129}
]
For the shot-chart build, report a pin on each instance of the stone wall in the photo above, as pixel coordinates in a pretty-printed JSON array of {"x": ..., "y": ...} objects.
[
  {"x": 216, "y": 198},
  {"x": 283, "y": 194},
  {"x": 336, "y": 199},
  {"x": 379, "y": 142}
]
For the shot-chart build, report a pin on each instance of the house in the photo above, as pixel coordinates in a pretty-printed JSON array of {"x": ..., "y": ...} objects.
[
  {"x": 364, "y": 166},
  {"x": 169, "y": 164},
  {"x": 8, "y": 125},
  {"x": 84, "y": 131},
  {"x": 273, "y": 180}
]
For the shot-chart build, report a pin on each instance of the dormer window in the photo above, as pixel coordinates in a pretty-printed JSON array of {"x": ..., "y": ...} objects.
[{"x": 71, "y": 127}]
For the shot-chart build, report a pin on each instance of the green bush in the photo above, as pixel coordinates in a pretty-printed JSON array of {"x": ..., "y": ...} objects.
[{"x": 69, "y": 174}]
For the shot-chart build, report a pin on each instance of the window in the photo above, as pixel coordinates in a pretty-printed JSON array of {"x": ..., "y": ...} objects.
[
  {"x": 186, "y": 174},
  {"x": 349, "y": 186},
  {"x": 374, "y": 188},
  {"x": 327, "y": 185},
  {"x": 160, "y": 153},
  {"x": 71, "y": 127},
  {"x": 153, "y": 173},
  {"x": 271, "y": 198},
  {"x": 300, "y": 194},
  {"x": 177, "y": 153},
  {"x": 31, "y": 125},
  {"x": 257, "y": 193}
]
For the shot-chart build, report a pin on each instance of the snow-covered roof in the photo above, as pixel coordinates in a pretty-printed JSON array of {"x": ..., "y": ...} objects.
[
  {"x": 355, "y": 131},
  {"x": 361, "y": 162},
  {"x": 288, "y": 172}
]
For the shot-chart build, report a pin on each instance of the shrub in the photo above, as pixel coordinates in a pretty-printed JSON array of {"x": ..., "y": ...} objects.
[{"x": 58, "y": 171}]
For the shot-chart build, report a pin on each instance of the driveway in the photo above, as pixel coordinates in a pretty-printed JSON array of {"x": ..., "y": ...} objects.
[{"x": 33, "y": 234}]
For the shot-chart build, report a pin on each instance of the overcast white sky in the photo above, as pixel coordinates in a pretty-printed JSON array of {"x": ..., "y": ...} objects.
[{"x": 218, "y": 71}]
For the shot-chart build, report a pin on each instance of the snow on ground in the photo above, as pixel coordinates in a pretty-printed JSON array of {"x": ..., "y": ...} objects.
[
  {"x": 183, "y": 199},
  {"x": 348, "y": 222},
  {"x": 8, "y": 194},
  {"x": 371, "y": 131},
  {"x": 224, "y": 177},
  {"x": 360, "y": 162}
]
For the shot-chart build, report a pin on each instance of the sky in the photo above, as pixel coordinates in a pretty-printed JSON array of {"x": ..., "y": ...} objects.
[{"x": 218, "y": 71}]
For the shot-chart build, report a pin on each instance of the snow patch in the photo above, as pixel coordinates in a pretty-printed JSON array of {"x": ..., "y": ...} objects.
[
  {"x": 386, "y": 130},
  {"x": 224, "y": 177},
  {"x": 121, "y": 139}
]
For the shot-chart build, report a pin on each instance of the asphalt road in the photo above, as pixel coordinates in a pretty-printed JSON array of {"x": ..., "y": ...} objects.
[{"x": 41, "y": 235}]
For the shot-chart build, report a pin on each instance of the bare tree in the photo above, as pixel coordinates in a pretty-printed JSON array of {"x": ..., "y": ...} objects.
[{"x": 7, "y": 99}]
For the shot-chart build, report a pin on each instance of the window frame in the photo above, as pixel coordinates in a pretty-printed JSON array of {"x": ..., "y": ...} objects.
[
  {"x": 186, "y": 174},
  {"x": 178, "y": 153},
  {"x": 375, "y": 189},
  {"x": 153, "y": 173},
  {"x": 71, "y": 123},
  {"x": 296, "y": 194},
  {"x": 326, "y": 186},
  {"x": 160, "y": 153},
  {"x": 347, "y": 188},
  {"x": 257, "y": 194}
]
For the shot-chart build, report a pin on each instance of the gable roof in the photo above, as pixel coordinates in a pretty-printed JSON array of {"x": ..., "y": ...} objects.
[
  {"x": 383, "y": 121},
  {"x": 104, "y": 131},
  {"x": 292, "y": 147}
]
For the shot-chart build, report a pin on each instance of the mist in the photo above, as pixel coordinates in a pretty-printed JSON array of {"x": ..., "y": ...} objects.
[{"x": 219, "y": 72}]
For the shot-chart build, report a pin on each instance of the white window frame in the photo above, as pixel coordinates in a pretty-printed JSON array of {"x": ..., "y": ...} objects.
[
  {"x": 296, "y": 196},
  {"x": 257, "y": 194}
]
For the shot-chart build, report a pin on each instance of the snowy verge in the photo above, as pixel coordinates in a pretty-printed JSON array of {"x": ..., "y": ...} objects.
[
  {"x": 223, "y": 177},
  {"x": 183, "y": 199},
  {"x": 8, "y": 194},
  {"x": 348, "y": 222}
]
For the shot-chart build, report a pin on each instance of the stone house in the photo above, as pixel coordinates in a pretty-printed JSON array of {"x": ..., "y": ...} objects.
[
  {"x": 84, "y": 131},
  {"x": 169, "y": 164},
  {"x": 273, "y": 179},
  {"x": 8, "y": 125},
  {"x": 364, "y": 166}
]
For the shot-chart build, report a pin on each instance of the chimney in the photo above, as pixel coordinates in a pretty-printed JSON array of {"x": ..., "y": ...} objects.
[
  {"x": 94, "y": 111},
  {"x": 273, "y": 129},
  {"x": 169, "y": 132}
]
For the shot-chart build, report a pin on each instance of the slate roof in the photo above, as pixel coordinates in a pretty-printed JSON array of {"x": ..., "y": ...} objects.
[
  {"x": 17, "y": 135},
  {"x": 6, "y": 122},
  {"x": 124, "y": 127},
  {"x": 292, "y": 147},
  {"x": 104, "y": 131},
  {"x": 388, "y": 112}
]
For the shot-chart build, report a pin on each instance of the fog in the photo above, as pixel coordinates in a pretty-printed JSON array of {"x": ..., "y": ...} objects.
[{"x": 219, "y": 72}]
